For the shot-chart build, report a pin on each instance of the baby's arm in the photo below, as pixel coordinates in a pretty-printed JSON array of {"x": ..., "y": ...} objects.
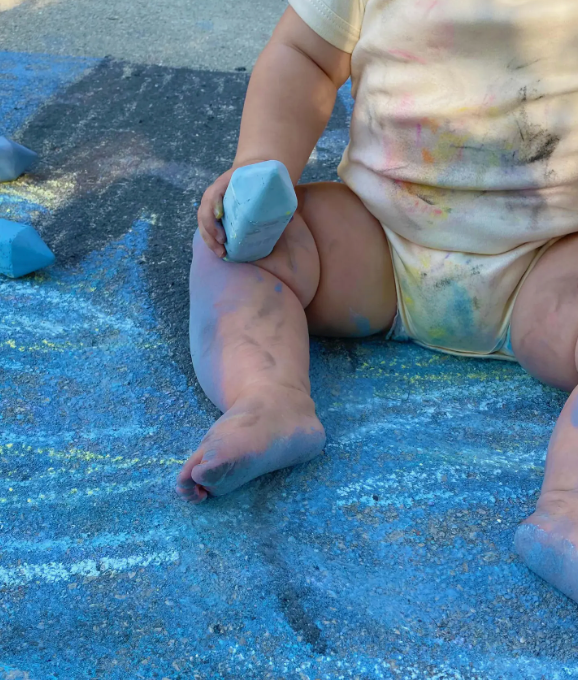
[{"x": 289, "y": 101}]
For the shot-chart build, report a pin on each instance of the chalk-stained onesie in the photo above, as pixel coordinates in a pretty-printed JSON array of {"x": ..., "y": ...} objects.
[{"x": 470, "y": 164}]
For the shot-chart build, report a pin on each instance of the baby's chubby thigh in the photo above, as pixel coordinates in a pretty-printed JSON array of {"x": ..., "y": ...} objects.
[
  {"x": 545, "y": 317},
  {"x": 335, "y": 257}
]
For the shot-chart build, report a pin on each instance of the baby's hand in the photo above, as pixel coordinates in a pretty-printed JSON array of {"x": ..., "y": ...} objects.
[{"x": 211, "y": 211}]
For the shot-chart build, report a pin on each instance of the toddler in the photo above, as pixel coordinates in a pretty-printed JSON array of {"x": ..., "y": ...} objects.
[{"x": 455, "y": 226}]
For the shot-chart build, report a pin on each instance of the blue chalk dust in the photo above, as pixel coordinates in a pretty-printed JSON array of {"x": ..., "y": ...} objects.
[
  {"x": 387, "y": 557},
  {"x": 362, "y": 324},
  {"x": 28, "y": 80}
]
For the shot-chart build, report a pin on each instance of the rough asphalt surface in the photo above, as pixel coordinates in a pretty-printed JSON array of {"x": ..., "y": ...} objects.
[
  {"x": 388, "y": 557},
  {"x": 208, "y": 34}
]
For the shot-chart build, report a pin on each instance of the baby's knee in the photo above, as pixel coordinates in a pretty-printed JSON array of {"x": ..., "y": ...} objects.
[
  {"x": 200, "y": 248},
  {"x": 545, "y": 336},
  {"x": 295, "y": 259}
]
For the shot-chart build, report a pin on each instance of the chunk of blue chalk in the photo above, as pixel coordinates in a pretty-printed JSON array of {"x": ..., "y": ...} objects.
[
  {"x": 22, "y": 251},
  {"x": 14, "y": 159},
  {"x": 259, "y": 203}
]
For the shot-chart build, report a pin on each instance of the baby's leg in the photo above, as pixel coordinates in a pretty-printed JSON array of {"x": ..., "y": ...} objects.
[
  {"x": 250, "y": 337},
  {"x": 545, "y": 340}
]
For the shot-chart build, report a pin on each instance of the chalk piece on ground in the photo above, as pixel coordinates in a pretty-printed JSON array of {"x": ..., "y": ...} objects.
[
  {"x": 22, "y": 251},
  {"x": 14, "y": 159}
]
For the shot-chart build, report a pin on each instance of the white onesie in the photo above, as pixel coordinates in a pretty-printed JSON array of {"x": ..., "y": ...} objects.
[{"x": 464, "y": 145}]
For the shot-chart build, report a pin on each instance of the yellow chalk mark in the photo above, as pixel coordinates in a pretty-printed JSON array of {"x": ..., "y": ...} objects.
[
  {"x": 97, "y": 461},
  {"x": 218, "y": 212},
  {"x": 48, "y": 346},
  {"x": 438, "y": 333},
  {"x": 49, "y": 194}
]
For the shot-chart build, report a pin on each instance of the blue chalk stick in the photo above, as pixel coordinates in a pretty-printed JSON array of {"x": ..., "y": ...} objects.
[
  {"x": 22, "y": 251},
  {"x": 14, "y": 159},
  {"x": 258, "y": 204}
]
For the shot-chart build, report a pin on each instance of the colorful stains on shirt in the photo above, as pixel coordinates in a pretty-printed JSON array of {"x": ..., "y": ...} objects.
[{"x": 464, "y": 144}]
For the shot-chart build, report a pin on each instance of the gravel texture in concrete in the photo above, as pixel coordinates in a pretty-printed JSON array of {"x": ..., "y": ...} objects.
[
  {"x": 390, "y": 556},
  {"x": 206, "y": 34}
]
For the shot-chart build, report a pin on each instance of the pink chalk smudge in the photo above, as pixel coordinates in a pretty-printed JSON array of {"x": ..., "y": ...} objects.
[
  {"x": 405, "y": 104},
  {"x": 406, "y": 55},
  {"x": 428, "y": 4}
]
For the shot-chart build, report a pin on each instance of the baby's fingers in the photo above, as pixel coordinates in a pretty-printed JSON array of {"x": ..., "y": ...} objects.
[{"x": 211, "y": 229}]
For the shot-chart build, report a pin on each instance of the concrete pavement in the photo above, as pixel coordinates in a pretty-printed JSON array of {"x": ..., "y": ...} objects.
[
  {"x": 206, "y": 34},
  {"x": 389, "y": 557}
]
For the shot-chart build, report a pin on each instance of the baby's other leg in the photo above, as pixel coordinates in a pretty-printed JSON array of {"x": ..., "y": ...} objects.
[
  {"x": 545, "y": 340},
  {"x": 250, "y": 340}
]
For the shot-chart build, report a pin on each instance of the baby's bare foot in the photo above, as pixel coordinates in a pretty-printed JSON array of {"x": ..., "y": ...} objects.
[
  {"x": 268, "y": 428},
  {"x": 548, "y": 540}
]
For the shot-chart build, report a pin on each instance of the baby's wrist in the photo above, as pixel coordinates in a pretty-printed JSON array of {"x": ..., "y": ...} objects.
[{"x": 242, "y": 161}]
